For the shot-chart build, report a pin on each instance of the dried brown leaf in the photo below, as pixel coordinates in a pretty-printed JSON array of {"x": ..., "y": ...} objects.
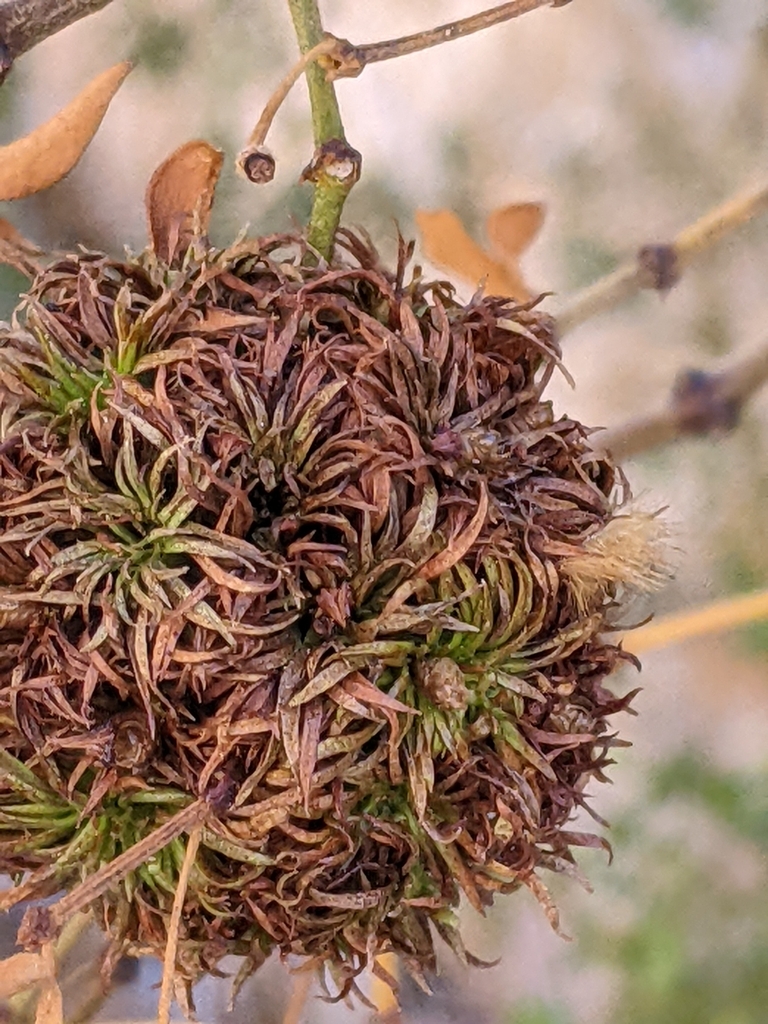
[
  {"x": 461, "y": 872},
  {"x": 44, "y": 156},
  {"x": 323, "y": 681},
  {"x": 179, "y": 197},
  {"x": 16, "y": 251},
  {"x": 458, "y": 547},
  {"x": 545, "y": 901},
  {"x": 308, "y": 747},
  {"x": 223, "y": 320},
  {"x": 229, "y": 580},
  {"x": 510, "y": 229},
  {"x": 359, "y": 688}
]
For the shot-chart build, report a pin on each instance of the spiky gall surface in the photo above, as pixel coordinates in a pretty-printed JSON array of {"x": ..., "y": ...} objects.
[{"x": 304, "y": 545}]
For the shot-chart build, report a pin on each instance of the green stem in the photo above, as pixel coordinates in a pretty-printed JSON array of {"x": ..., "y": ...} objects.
[
  {"x": 325, "y": 110},
  {"x": 332, "y": 174}
]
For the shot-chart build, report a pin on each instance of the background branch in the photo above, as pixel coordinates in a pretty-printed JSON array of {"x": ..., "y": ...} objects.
[
  {"x": 351, "y": 60},
  {"x": 701, "y": 403},
  {"x": 25, "y": 23},
  {"x": 659, "y": 267},
  {"x": 715, "y": 617}
]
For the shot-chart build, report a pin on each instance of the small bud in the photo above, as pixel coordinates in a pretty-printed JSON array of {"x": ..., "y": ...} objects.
[
  {"x": 345, "y": 61},
  {"x": 700, "y": 404},
  {"x": 132, "y": 745},
  {"x": 257, "y": 165},
  {"x": 443, "y": 682},
  {"x": 658, "y": 267},
  {"x": 334, "y": 159}
]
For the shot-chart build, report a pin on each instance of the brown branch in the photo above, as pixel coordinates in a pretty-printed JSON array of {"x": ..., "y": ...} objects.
[
  {"x": 25, "y": 23},
  {"x": 350, "y": 60},
  {"x": 701, "y": 403},
  {"x": 330, "y": 58},
  {"x": 659, "y": 267}
]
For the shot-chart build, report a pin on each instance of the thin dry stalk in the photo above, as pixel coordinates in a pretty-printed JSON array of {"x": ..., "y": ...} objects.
[
  {"x": 258, "y": 136},
  {"x": 169, "y": 963},
  {"x": 353, "y": 59},
  {"x": 717, "y": 617}
]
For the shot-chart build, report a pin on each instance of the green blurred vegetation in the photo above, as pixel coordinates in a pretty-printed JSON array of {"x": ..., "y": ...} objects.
[
  {"x": 688, "y": 12},
  {"x": 586, "y": 259},
  {"x": 12, "y": 283},
  {"x": 161, "y": 44},
  {"x": 691, "y": 875},
  {"x": 537, "y": 1012}
]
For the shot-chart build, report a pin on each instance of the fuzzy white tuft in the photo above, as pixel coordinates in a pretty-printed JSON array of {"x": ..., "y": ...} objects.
[{"x": 633, "y": 551}]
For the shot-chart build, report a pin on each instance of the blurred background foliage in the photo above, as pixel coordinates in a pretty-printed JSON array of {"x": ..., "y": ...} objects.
[{"x": 628, "y": 118}]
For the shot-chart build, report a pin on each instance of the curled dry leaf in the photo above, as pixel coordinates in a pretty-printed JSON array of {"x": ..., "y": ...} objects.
[
  {"x": 179, "y": 197},
  {"x": 510, "y": 229},
  {"x": 18, "y": 252},
  {"x": 44, "y": 156}
]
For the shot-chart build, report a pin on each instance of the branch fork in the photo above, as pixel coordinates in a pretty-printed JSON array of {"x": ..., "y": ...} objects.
[{"x": 335, "y": 166}]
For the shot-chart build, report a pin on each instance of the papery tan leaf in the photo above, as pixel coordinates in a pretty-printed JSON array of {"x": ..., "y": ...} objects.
[
  {"x": 20, "y": 972},
  {"x": 44, "y": 156},
  {"x": 511, "y": 229},
  {"x": 179, "y": 197},
  {"x": 447, "y": 244}
]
